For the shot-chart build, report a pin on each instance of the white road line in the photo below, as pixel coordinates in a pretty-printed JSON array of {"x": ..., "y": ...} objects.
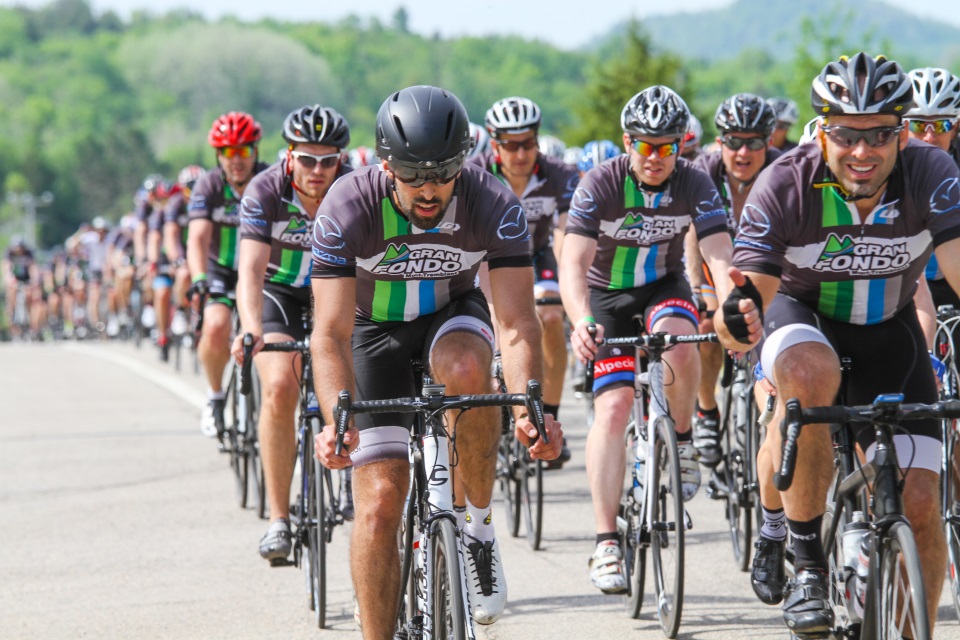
[{"x": 174, "y": 385}]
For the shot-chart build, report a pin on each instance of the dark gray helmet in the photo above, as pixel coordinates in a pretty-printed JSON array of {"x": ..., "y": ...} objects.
[
  {"x": 316, "y": 125},
  {"x": 786, "y": 109},
  {"x": 657, "y": 112},
  {"x": 424, "y": 126},
  {"x": 745, "y": 113},
  {"x": 861, "y": 85}
]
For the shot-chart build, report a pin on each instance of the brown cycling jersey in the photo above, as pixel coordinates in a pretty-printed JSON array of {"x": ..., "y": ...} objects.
[
  {"x": 404, "y": 272},
  {"x": 640, "y": 229},
  {"x": 712, "y": 165}
]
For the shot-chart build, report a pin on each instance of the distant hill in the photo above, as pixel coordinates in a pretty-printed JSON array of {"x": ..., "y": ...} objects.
[{"x": 773, "y": 26}]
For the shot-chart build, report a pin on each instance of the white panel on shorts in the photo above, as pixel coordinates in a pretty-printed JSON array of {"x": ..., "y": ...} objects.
[
  {"x": 784, "y": 338},
  {"x": 381, "y": 443}
]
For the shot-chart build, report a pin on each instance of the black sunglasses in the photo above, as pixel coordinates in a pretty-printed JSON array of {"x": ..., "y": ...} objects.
[
  {"x": 735, "y": 144},
  {"x": 513, "y": 145},
  {"x": 848, "y": 137},
  {"x": 417, "y": 176}
]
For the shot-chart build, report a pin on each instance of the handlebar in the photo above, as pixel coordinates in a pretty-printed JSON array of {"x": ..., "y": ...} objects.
[
  {"x": 657, "y": 341},
  {"x": 532, "y": 400},
  {"x": 291, "y": 346},
  {"x": 886, "y": 409}
]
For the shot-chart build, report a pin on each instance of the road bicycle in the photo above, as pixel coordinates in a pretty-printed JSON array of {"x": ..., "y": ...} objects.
[
  {"x": 891, "y": 601},
  {"x": 434, "y": 600},
  {"x": 651, "y": 513},
  {"x": 316, "y": 509}
]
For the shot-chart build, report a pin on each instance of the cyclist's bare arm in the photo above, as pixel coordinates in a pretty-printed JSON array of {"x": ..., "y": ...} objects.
[
  {"x": 171, "y": 241},
  {"x": 949, "y": 262},
  {"x": 198, "y": 245},
  {"x": 692, "y": 260},
  {"x": 254, "y": 257},
  {"x": 154, "y": 242},
  {"x": 333, "y": 319},
  {"x": 578, "y": 253},
  {"x": 926, "y": 312},
  {"x": 717, "y": 251},
  {"x": 140, "y": 242}
]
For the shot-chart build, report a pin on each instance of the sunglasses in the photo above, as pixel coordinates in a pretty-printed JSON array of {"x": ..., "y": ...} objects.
[
  {"x": 417, "y": 176},
  {"x": 920, "y": 127},
  {"x": 309, "y": 161},
  {"x": 236, "y": 152},
  {"x": 513, "y": 145},
  {"x": 735, "y": 144},
  {"x": 848, "y": 137},
  {"x": 646, "y": 149}
]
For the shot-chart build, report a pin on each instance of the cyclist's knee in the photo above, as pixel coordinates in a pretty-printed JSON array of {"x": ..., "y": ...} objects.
[
  {"x": 462, "y": 361},
  {"x": 921, "y": 496},
  {"x": 613, "y": 407},
  {"x": 811, "y": 368}
]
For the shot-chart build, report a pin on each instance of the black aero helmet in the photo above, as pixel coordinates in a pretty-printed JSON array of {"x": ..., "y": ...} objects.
[
  {"x": 657, "y": 112},
  {"x": 746, "y": 113},
  {"x": 424, "y": 126},
  {"x": 316, "y": 125},
  {"x": 861, "y": 85}
]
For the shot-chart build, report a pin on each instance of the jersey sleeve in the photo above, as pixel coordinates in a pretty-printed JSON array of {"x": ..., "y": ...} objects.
[
  {"x": 199, "y": 206},
  {"x": 940, "y": 173},
  {"x": 258, "y": 210},
  {"x": 587, "y": 205},
  {"x": 570, "y": 179},
  {"x": 709, "y": 215},
  {"x": 764, "y": 230},
  {"x": 506, "y": 232},
  {"x": 334, "y": 249}
]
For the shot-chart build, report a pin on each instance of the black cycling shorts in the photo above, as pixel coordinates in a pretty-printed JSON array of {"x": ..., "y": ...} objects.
[
  {"x": 221, "y": 284},
  {"x": 669, "y": 296},
  {"x": 284, "y": 308},
  {"x": 546, "y": 276},
  {"x": 383, "y": 352}
]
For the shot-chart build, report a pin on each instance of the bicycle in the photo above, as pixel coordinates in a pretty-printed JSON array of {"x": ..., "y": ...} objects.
[
  {"x": 316, "y": 510},
  {"x": 434, "y": 601},
  {"x": 735, "y": 479},
  {"x": 891, "y": 602},
  {"x": 948, "y": 322},
  {"x": 651, "y": 513}
]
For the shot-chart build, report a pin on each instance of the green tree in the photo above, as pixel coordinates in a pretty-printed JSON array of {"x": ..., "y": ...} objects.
[{"x": 628, "y": 71}]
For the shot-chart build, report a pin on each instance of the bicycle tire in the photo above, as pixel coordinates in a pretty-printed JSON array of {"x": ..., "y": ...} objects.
[
  {"x": 634, "y": 557},
  {"x": 737, "y": 480},
  {"x": 531, "y": 494},
  {"x": 668, "y": 518},
  {"x": 239, "y": 458},
  {"x": 897, "y": 604},
  {"x": 449, "y": 612},
  {"x": 951, "y": 520},
  {"x": 252, "y": 444},
  {"x": 317, "y": 534},
  {"x": 509, "y": 481},
  {"x": 407, "y": 605}
]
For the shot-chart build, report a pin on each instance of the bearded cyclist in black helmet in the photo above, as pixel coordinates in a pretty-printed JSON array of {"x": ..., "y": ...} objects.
[
  {"x": 273, "y": 289},
  {"x": 423, "y": 200}
]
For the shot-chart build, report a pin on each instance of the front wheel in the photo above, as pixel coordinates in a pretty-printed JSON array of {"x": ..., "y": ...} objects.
[
  {"x": 667, "y": 529},
  {"x": 317, "y": 541},
  {"x": 509, "y": 480},
  {"x": 531, "y": 494},
  {"x": 449, "y": 612},
  {"x": 951, "y": 517},
  {"x": 897, "y": 598}
]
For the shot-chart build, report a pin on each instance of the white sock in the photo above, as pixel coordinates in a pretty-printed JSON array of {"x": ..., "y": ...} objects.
[
  {"x": 216, "y": 395},
  {"x": 479, "y": 523},
  {"x": 774, "y": 524},
  {"x": 461, "y": 513}
]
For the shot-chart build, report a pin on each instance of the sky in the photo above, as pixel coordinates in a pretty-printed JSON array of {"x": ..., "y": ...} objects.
[{"x": 567, "y": 24}]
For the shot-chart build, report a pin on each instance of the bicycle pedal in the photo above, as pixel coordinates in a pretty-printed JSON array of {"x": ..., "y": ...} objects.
[
  {"x": 281, "y": 562},
  {"x": 687, "y": 521}
]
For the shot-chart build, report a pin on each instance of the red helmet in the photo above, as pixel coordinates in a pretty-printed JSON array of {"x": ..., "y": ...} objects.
[{"x": 234, "y": 129}]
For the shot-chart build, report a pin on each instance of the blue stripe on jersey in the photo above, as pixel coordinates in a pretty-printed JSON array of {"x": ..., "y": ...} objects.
[
  {"x": 876, "y": 300},
  {"x": 428, "y": 297},
  {"x": 933, "y": 268},
  {"x": 650, "y": 264}
]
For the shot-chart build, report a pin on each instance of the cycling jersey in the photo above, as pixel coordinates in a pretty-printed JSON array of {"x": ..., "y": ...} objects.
[
  {"x": 20, "y": 264},
  {"x": 546, "y": 196},
  {"x": 271, "y": 212},
  {"x": 796, "y": 226},
  {"x": 213, "y": 199},
  {"x": 402, "y": 271},
  {"x": 640, "y": 230},
  {"x": 933, "y": 272},
  {"x": 712, "y": 165}
]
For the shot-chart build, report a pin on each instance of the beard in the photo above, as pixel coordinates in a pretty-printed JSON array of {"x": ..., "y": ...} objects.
[{"x": 408, "y": 208}]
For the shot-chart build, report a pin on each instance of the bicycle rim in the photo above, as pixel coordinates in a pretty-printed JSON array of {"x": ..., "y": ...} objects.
[
  {"x": 449, "y": 619},
  {"x": 896, "y": 588},
  {"x": 531, "y": 495},
  {"x": 317, "y": 535},
  {"x": 509, "y": 483},
  {"x": 407, "y": 600},
  {"x": 951, "y": 492},
  {"x": 833, "y": 549},
  {"x": 738, "y": 480},
  {"x": 667, "y": 516},
  {"x": 634, "y": 557}
]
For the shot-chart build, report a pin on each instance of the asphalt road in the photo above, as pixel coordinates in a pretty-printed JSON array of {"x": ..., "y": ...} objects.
[{"x": 119, "y": 520}]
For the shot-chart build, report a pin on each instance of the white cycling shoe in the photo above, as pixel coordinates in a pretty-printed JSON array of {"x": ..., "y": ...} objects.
[{"x": 485, "y": 579}]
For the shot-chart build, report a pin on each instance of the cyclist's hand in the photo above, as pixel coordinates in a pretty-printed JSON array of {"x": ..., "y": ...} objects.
[
  {"x": 325, "y": 446},
  {"x": 196, "y": 292},
  {"x": 526, "y": 432},
  {"x": 742, "y": 313},
  {"x": 583, "y": 342},
  {"x": 237, "y": 348}
]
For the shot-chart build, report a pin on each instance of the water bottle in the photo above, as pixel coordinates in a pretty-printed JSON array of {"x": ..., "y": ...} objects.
[
  {"x": 863, "y": 569},
  {"x": 420, "y": 571},
  {"x": 854, "y": 532},
  {"x": 639, "y": 470}
]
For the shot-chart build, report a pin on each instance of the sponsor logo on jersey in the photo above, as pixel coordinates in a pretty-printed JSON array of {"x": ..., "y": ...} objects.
[
  {"x": 862, "y": 257},
  {"x": 648, "y": 229},
  {"x": 946, "y": 197},
  {"x": 539, "y": 207},
  {"x": 513, "y": 224},
  {"x": 296, "y": 232},
  {"x": 226, "y": 215},
  {"x": 428, "y": 261},
  {"x": 327, "y": 233},
  {"x": 583, "y": 202}
]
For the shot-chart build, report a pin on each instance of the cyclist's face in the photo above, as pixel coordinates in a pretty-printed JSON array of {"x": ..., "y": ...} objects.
[
  {"x": 521, "y": 161},
  {"x": 424, "y": 206},
  {"x": 743, "y": 164},
  {"x": 238, "y": 169},
  {"x": 930, "y": 136},
  {"x": 861, "y": 169},
  {"x": 653, "y": 169},
  {"x": 315, "y": 181}
]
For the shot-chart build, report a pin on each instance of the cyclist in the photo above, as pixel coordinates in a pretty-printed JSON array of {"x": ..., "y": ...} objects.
[
  {"x": 691, "y": 142},
  {"x": 481, "y": 140},
  {"x": 164, "y": 258},
  {"x": 787, "y": 116},
  {"x": 273, "y": 294},
  {"x": 93, "y": 244},
  {"x": 622, "y": 256},
  {"x": 544, "y": 186},
  {"x": 372, "y": 239},
  {"x": 19, "y": 269},
  {"x": 830, "y": 246},
  {"x": 213, "y": 247},
  {"x": 744, "y": 123},
  {"x": 550, "y": 146},
  {"x": 595, "y": 153}
]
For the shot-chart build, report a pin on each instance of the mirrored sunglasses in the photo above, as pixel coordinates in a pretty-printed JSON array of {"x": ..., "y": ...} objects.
[{"x": 663, "y": 150}]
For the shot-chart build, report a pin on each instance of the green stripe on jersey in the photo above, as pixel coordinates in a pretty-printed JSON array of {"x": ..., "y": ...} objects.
[
  {"x": 623, "y": 269},
  {"x": 836, "y": 298},
  {"x": 228, "y": 247},
  {"x": 289, "y": 270},
  {"x": 393, "y": 223},
  {"x": 631, "y": 195},
  {"x": 389, "y": 300},
  {"x": 836, "y": 213}
]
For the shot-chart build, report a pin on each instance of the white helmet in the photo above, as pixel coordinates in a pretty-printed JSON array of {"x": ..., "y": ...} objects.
[
  {"x": 552, "y": 147},
  {"x": 936, "y": 93},
  {"x": 481, "y": 140},
  {"x": 572, "y": 156},
  {"x": 512, "y": 115},
  {"x": 809, "y": 131}
]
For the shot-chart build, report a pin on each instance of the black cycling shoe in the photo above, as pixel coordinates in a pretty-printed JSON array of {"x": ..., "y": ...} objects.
[
  {"x": 807, "y": 611},
  {"x": 768, "y": 576}
]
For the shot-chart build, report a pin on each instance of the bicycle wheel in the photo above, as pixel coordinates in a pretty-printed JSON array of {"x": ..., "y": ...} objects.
[
  {"x": 407, "y": 604},
  {"x": 737, "y": 477},
  {"x": 897, "y": 606},
  {"x": 531, "y": 494},
  {"x": 449, "y": 612},
  {"x": 233, "y": 432},
  {"x": 665, "y": 499},
  {"x": 317, "y": 535},
  {"x": 251, "y": 444},
  {"x": 509, "y": 481},
  {"x": 836, "y": 569},
  {"x": 951, "y": 519},
  {"x": 634, "y": 556}
]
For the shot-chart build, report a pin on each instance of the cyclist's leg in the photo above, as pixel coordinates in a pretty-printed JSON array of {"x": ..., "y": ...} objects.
[
  {"x": 921, "y": 502},
  {"x": 551, "y": 319},
  {"x": 214, "y": 346},
  {"x": 706, "y": 421}
]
